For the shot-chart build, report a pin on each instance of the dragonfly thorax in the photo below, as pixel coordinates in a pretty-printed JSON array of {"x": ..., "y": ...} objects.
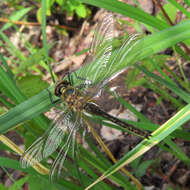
[{"x": 71, "y": 96}]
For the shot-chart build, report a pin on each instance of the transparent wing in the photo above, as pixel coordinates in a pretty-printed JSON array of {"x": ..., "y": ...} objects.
[
  {"x": 100, "y": 52},
  {"x": 33, "y": 154},
  {"x": 69, "y": 145},
  {"x": 106, "y": 61},
  {"x": 129, "y": 52},
  {"x": 49, "y": 141}
]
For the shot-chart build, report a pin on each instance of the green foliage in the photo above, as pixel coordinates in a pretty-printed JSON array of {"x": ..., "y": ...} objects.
[
  {"x": 16, "y": 16},
  {"x": 32, "y": 62},
  {"x": 18, "y": 184},
  {"x": 2, "y": 187},
  {"x": 187, "y": 2},
  {"x": 170, "y": 10},
  {"x": 70, "y": 6},
  {"x": 41, "y": 183},
  {"x": 140, "y": 167},
  {"x": 23, "y": 93},
  {"x": 31, "y": 85}
]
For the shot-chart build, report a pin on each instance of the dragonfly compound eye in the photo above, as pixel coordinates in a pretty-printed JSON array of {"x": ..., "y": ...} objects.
[{"x": 61, "y": 87}]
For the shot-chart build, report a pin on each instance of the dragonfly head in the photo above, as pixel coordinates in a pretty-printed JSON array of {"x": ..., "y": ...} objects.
[{"x": 63, "y": 88}]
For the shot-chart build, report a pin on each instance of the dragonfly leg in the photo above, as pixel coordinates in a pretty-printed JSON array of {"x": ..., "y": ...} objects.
[{"x": 51, "y": 98}]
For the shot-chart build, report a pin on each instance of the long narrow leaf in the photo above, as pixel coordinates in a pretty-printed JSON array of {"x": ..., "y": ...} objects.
[{"x": 128, "y": 10}]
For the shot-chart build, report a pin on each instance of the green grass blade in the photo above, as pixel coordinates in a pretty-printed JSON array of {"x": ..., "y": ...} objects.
[
  {"x": 10, "y": 88},
  {"x": 14, "y": 164},
  {"x": 6, "y": 67},
  {"x": 179, "y": 7},
  {"x": 45, "y": 38},
  {"x": 178, "y": 91},
  {"x": 18, "y": 184},
  {"x": 129, "y": 11},
  {"x": 177, "y": 151},
  {"x": 25, "y": 111},
  {"x": 16, "y": 52},
  {"x": 15, "y": 17}
]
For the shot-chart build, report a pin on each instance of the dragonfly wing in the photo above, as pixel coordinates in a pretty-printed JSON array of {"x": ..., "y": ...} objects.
[
  {"x": 100, "y": 51},
  {"x": 33, "y": 154},
  {"x": 69, "y": 144},
  {"x": 47, "y": 143},
  {"x": 57, "y": 133},
  {"x": 128, "y": 53},
  {"x": 106, "y": 63},
  {"x": 103, "y": 34}
]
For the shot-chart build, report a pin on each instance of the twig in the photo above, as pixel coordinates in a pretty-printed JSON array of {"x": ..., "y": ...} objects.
[{"x": 5, "y": 20}]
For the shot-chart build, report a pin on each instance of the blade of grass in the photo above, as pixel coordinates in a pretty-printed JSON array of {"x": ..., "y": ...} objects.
[
  {"x": 25, "y": 111},
  {"x": 17, "y": 53},
  {"x": 129, "y": 11},
  {"x": 6, "y": 67},
  {"x": 178, "y": 103},
  {"x": 15, "y": 17},
  {"x": 45, "y": 38},
  {"x": 178, "y": 91},
  {"x": 178, "y": 6},
  {"x": 38, "y": 167},
  {"x": 177, "y": 151},
  {"x": 10, "y": 88}
]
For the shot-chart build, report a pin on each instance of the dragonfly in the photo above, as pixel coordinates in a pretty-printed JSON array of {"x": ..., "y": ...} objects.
[{"x": 79, "y": 100}]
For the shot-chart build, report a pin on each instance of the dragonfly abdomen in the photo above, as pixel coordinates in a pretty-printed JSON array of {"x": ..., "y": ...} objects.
[{"x": 94, "y": 109}]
